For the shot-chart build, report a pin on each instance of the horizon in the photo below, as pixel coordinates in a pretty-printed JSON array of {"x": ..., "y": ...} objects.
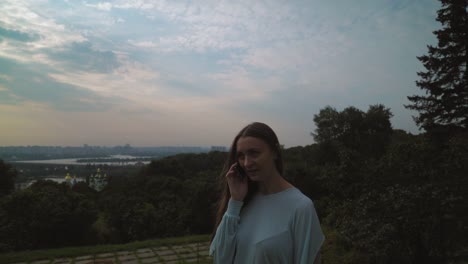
[
  {"x": 113, "y": 146},
  {"x": 194, "y": 73}
]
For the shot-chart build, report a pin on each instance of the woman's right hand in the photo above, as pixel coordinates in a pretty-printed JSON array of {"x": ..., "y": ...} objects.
[{"x": 238, "y": 186}]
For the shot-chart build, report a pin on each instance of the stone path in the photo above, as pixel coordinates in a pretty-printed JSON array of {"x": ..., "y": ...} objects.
[{"x": 188, "y": 253}]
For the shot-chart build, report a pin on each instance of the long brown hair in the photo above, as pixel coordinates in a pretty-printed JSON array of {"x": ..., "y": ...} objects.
[{"x": 257, "y": 130}]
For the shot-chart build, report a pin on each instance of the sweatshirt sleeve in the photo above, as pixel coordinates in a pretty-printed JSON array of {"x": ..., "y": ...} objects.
[
  {"x": 223, "y": 246},
  {"x": 308, "y": 235}
]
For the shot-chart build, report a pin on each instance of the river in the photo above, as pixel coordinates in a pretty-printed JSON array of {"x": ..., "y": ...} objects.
[{"x": 125, "y": 160}]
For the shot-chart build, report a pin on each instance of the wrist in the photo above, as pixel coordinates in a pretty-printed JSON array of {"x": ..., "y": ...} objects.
[
  {"x": 237, "y": 198},
  {"x": 234, "y": 207}
]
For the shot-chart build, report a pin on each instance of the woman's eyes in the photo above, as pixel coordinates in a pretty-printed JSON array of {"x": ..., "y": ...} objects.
[
  {"x": 250, "y": 153},
  {"x": 253, "y": 152}
]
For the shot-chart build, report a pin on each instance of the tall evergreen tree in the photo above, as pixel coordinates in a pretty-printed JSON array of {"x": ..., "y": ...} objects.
[{"x": 445, "y": 81}]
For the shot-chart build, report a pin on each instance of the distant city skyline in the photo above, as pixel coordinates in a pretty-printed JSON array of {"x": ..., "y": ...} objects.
[
  {"x": 62, "y": 154},
  {"x": 193, "y": 73}
]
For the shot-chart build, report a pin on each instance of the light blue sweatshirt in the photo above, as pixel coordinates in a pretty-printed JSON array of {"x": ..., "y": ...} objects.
[{"x": 277, "y": 228}]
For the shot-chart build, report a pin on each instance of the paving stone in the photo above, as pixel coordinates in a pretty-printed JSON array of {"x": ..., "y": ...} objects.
[
  {"x": 195, "y": 250},
  {"x": 162, "y": 248},
  {"x": 144, "y": 250},
  {"x": 62, "y": 261},
  {"x": 188, "y": 255},
  {"x": 130, "y": 262},
  {"x": 177, "y": 247},
  {"x": 203, "y": 249},
  {"x": 105, "y": 255},
  {"x": 150, "y": 260},
  {"x": 203, "y": 253},
  {"x": 169, "y": 257},
  {"x": 44, "y": 261},
  {"x": 83, "y": 257},
  {"x": 164, "y": 252},
  {"x": 192, "y": 260},
  {"x": 146, "y": 254},
  {"x": 182, "y": 250},
  {"x": 86, "y": 261},
  {"x": 127, "y": 258},
  {"x": 104, "y": 261},
  {"x": 192, "y": 247},
  {"x": 120, "y": 253}
]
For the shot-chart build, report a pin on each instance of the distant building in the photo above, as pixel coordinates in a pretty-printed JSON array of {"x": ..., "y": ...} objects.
[
  {"x": 98, "y": 181},
  {"x": 68, "y": 179},
  {"x": 219, "y": 148}
]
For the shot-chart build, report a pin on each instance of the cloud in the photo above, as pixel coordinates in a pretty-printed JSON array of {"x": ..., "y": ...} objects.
[
  {"x": 82, "y": 56},
  {"x": 28, "y": 34},
  {"x": 178, "y": 65},
  {"x": 19, "y": 17},
  {"x": 215, "y": 26},
  {"x": 239, "y": 85},
  {"x": 40, "y": 88},
  {"x": 16, "y": 35},
  {"x": 104, "y": 6},
  {"x": 143, "y": 44}
]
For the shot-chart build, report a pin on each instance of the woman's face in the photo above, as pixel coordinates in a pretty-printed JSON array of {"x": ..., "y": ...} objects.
[{"x": 256, "y": 158}]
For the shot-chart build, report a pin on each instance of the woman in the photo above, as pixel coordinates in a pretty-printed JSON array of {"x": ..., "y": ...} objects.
[{"x": 262, "y": 218}]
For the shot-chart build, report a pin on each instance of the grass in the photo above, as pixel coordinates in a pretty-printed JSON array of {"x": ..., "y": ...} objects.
[{"x": 70, "y": 252}]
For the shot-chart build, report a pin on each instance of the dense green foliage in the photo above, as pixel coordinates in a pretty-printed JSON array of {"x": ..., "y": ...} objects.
[
  {"x": 405, "y": 203},
  {"x": 169, "y": 197},
  {"x": 7, "y": 178}
]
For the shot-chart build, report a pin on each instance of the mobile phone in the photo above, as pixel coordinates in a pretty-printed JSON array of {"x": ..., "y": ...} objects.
[{"x": 240, "y": 171}]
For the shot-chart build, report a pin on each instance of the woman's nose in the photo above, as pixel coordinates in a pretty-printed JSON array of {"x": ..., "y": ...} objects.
[{"x": 247, "y": 161}]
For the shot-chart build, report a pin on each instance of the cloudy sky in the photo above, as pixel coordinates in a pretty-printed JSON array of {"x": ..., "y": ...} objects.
[{"x": 153, "y": 73}]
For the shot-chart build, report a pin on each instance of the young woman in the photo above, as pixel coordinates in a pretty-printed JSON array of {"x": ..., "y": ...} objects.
[{"x": 262, "y": 218}]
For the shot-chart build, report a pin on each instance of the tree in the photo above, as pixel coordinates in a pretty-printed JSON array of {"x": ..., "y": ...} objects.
[
  {"x": 367, "y": 133},
  {"x": 7, "y": 178},
  {"x": 47, "y": 214},
  {"x": 401, "y": 224},
  {"x": 348, "y": 142},
  {"x": 445, "y": 81}
]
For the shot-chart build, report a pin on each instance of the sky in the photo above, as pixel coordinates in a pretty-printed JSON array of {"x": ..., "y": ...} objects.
[{"x": 193, "y": 73}]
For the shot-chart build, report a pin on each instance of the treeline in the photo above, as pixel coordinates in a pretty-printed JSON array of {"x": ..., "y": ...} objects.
[
  {"x": 385, "y": 195},
  {"x": 392, "y": 197},
  {"x": 166, "y": 198}
]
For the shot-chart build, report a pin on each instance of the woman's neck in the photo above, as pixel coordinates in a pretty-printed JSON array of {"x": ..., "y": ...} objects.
[{"x": 273, "y": 185}]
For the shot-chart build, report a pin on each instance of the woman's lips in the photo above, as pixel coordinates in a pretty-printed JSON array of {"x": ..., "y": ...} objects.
[{"x": 251, "y": 172}]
